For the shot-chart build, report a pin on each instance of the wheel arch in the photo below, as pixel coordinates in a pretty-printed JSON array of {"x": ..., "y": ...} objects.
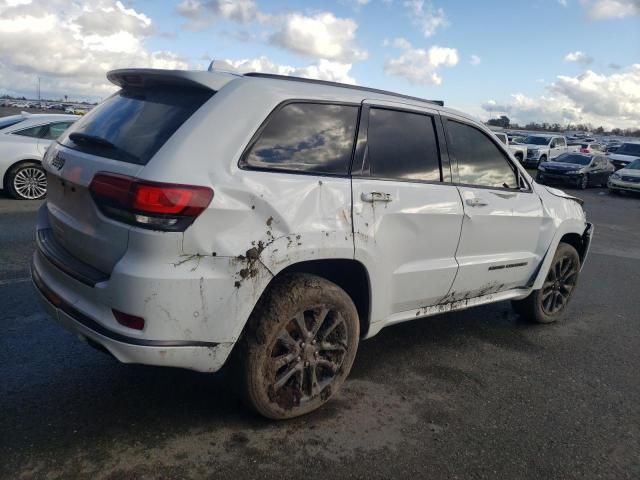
[{"x": 350, "y": 275}]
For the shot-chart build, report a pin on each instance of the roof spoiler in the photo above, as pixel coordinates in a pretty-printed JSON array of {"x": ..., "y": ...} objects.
[{"x": 148, "y": 77}]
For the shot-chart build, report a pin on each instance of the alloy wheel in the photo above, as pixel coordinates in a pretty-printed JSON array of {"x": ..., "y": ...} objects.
[
  {"x": 30, "y": 183},
  {"x": 559, "y": 284},
  {"x": 307, "y": 357}
]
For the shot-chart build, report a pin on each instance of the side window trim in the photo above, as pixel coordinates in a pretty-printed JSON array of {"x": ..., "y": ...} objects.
[
  {"x": 244, "y": 165},
  {"x": 360, "y": 164},
  {"x": 454, "y": 162}
]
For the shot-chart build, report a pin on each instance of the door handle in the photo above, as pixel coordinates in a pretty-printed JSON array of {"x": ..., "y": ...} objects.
[
  {"x": 371, "y": 197},
  {"x": 476, "y": 202}
]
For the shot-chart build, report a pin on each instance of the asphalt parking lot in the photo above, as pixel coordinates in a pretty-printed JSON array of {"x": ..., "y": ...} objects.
[{"x": 476, "y": 394}]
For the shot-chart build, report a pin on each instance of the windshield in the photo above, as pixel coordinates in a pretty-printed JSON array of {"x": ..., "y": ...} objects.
[
  {"x": 574, "y": 159},
  {"x": 133, "y": 124},
  {"x": 635, "y": 165},
  {"x": 502, "y": 137},
  {"x": 12, "y": 120},
  {"x": 537, "y": 140},
  {"x": 629, "y": 149}
]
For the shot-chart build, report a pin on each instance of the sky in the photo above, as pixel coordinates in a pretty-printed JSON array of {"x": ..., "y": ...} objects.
[{"x": 548, "y": 61}]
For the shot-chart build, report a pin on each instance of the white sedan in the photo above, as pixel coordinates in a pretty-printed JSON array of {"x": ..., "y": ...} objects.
[{"x": 23, "y": 140}]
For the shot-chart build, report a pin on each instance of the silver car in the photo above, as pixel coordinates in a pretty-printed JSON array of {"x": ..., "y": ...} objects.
[{"x": 23, "y": 140}]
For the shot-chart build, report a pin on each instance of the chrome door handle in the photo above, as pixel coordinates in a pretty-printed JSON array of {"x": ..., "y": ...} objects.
[
  {"x": 371, "y": 197},
  {"x": 476, "y": 202}
]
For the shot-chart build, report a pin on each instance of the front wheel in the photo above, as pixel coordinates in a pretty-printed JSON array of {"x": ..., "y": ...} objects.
[
  {"x": 543, "y": 159},
  {"x": 583, "y": 182},
  {"x": 549, "y": 304},
  {"x": 299, "y": 346},
  {"x": 26, "y": 181}
]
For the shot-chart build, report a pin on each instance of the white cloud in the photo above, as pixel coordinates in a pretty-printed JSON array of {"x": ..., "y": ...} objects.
[
  {"x": 426, "y": 17},
  {"x": 322, "y": 35},
  {"x": 475, "y": 60},
  {"x": 420, "y": 66},
  {"x": 608, "y": 100},
  {"x": 578, "y": 57},
  {"x": 322, "y": 69},
  {"x": 201, "y": 14},
  {"x": 600, "y": 9},
  {"x": 72, "y": 45},
  {"x": 318, "y": 35}
]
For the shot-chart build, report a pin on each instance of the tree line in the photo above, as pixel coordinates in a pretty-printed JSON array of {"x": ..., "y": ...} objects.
[{"x": 504, "y": 122}]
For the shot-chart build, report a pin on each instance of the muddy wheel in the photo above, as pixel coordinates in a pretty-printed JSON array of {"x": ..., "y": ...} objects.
[
  {"x": 299, "y": 346},
  {"x": 549, "y": 304}
]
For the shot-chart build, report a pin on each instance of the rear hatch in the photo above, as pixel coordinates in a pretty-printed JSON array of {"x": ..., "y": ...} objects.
[{"x": 119, "y": 136}]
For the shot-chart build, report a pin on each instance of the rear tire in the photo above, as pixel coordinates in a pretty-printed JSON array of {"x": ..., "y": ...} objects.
[
  {"x": 549, "y": 304},
  {"x": 26, "y": 181},
  {"x": 298, "y": 347}
]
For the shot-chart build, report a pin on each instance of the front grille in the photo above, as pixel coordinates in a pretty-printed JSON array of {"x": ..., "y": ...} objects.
[{"x": 630, "y": 179}]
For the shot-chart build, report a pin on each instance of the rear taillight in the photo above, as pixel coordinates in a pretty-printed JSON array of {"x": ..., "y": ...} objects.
[
  {"x": 584, "y": 150},
  {"x": 153, "y": 205}
]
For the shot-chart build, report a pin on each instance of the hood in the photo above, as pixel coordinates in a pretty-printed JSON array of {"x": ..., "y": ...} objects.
[
  {"x": 562, "y": 167},
  {"x": 620, "y": 156},
  {"x": 561, "y": 194},
  {"x": 629, "y": 172}
]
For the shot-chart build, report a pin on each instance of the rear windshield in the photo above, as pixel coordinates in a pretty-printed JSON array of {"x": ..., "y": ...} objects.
[
  {"x": 133, "y": 124},
  {"x": 629, "y": 149}
]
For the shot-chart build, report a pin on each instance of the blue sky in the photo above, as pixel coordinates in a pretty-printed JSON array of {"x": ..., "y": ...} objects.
[{"x": 542, "y": 60}]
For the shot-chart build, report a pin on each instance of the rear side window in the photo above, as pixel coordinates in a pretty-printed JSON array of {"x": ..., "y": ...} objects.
[
  {"x": 402, "y": 145},
  {"x": 34, "y": 132},
  {"x": 133, "y": 124},
  {"x": 306, "y": 137},
  {"x": 54, "y": 130},
  {"x": 480, "y": 162}
]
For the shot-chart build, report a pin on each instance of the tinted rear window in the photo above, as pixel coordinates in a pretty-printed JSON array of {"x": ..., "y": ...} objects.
[
  {"x": 306, "y": 137},
  {"x": 132, "y": 125}
]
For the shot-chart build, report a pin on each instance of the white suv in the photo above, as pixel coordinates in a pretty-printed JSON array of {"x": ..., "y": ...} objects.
[{"x": 195, "y": 218}]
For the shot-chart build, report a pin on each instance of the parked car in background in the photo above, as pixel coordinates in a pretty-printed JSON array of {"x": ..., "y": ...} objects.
[
  {"x": 591, "y": 147},
  {"x": 624, "y": 155},
  {"x": 137, "y": 254},
  {"x": 542, "y": 148},
  {"x": 626, "y": 179},
  {"x": 612, "y": 148},
  {"x": 24, "y": 139},
  {"x": 580, "y": 170},
  {"x": 519, "y": 151}
]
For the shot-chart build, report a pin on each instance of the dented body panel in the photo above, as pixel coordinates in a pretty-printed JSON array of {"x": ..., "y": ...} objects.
[{"x": 424, "y": 250}]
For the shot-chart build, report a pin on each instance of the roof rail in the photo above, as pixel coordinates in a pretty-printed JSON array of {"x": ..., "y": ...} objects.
[{"x": 341, "y": 85}]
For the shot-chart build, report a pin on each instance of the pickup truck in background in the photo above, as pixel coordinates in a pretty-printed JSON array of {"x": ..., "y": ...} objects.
[
  {"x": 519, "y": 151},
  {"x": 542, "y": 148}
]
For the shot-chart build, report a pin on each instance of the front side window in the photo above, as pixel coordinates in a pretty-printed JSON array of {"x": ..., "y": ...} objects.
[
  {"x": 306, "y": 137},
  {"x": 402, "y": 145},
  {"x": 480, "y": 162}
]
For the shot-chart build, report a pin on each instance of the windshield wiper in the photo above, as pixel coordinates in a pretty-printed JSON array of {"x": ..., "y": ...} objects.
[
  {"x": 84, "y": 138},
  {"x": 78, "y": 137}
]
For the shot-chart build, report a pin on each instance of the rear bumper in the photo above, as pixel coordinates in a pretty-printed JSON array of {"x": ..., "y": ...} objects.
[{"x": 193, "y": 355}]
